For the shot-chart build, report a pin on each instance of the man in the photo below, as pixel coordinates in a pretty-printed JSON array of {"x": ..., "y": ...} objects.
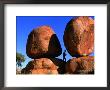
[{"x": 64, "y": 55}]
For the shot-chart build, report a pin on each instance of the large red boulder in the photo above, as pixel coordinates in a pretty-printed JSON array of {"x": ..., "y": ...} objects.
[
  {"x": 45, "y": 66},
  {"x": 79, "y": 36},
  {"x": 43, "y": 42},
  {"x": 81, "y": 65}
]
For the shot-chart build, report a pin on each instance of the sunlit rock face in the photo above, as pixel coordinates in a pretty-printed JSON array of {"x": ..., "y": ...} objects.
[
  {"x": 79, "y": 36},
  {"x": 81, "y": 65},
  {"x": 43, "y": 42},
  {"x": 45, "y": 66}
]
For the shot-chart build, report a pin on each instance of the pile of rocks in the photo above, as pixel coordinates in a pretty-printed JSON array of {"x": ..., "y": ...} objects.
[
  {"x": 43, "y": 46},
  {"x": 79, "y": 42}
]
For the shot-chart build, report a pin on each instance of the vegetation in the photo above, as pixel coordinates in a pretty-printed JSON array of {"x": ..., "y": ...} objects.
[{"x": 19, "y": 59}]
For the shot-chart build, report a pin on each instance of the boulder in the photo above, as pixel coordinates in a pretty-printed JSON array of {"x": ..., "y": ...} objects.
[
  {"x": 81, "y": 65},
  {"x": 79, "y": 36},
  {"x": 42, "y": 42},
  {"x": 44, "y": 71},
  {"x": 45, "y": 66}
]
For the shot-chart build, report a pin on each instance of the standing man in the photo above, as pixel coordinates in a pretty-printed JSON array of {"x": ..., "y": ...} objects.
[{"x": 64, "y": 55}]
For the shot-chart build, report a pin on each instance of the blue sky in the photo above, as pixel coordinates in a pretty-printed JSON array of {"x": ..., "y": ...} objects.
[{"x": 25, "y": 24}]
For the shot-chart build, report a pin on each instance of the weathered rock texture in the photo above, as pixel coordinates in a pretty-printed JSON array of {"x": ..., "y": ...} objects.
[
  {"x": 43, "y": 42},
  {"x": 45, "y": 66},
  {"x": 81, "y": 65},
  {"x": 79, "y": 36}
]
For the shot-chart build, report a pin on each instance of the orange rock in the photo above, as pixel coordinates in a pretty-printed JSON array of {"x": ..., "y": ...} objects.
[
  {"x": 44, "y": 71},
  {"x": 79, "y": 36},
  {"x": 80, "y": 65},
  {"x": 44, "y": 65},
  {"x": 42, "y": 42}
]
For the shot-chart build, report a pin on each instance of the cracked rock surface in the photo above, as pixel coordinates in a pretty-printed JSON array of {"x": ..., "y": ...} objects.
[
  {"x": 79, "y": 36},
  {"x": 81, "y": 65},
  {"x": 45, "y": 66},
  {"x": 42, "y": 42}
]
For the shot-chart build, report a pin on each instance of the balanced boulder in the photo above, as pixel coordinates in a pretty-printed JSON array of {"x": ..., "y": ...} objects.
[
  {"x": 81, "y": 65},
  {"x": 45, "y": 66},
  {"x": 43, "y": 42},
  {"x": 79, "y": 36}
]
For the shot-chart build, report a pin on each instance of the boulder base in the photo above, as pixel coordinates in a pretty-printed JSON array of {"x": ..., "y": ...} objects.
[
  {"x": 45, "y": 66},
  {"x": 81, "y": 65}
]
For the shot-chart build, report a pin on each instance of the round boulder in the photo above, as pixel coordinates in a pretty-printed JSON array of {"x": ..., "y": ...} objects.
[
  {"x": 81, "y": 65},
  {"x": 42, "y": 42},
  {"x": 79, "y": 36}
]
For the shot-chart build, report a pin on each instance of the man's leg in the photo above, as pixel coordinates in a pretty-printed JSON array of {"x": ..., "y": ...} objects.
[{"x": 65, "y": 59}]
